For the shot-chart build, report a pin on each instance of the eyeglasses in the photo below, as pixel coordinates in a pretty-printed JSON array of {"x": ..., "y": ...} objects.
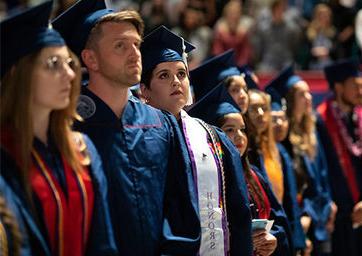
[
  {"x": 282, "y": 118},
  {"x": 56, "y": 63},
  {"x": 255, "y": 109}
]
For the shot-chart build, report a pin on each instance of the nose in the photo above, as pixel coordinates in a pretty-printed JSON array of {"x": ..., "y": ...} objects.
[
  {"x": 242, "y": 94},
  {"x": 308, "y": 96},
  {"x": 135, "y": 52},
  {"x": 260, "y": 111},
  {"x": 239, "y": 135},
  {"x": 176, "y": 81},
  {"x": 69, "y": 71},
  {"x": 279, "y": 122}
]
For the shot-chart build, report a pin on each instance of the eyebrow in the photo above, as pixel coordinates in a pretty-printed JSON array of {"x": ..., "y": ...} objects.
[
  {"x": 67, "y": 56},
  {"x": 125, "y": 38},
  {"x": 162, "y": 70},
  {"x": 168, "y": 70}
]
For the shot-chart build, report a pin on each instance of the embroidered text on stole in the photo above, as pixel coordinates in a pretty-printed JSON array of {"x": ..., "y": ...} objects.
[{"x": 212, "y": 237}]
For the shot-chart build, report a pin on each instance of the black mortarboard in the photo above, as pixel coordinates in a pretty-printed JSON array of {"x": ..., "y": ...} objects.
[
  {"x": 342, "y": 70},
  {"x": 214, "y": 105},
  {"x": 76, "y": 22},
  {"x": 280, "y": 82},
  {"x": 27, "y": 32},
  {"x": 247, "y": 72},
  {"x": 213, "y": 71},
  {"x": 162, "y": 45}
]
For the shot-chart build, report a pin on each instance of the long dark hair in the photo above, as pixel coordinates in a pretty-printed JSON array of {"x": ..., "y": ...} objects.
[{"x": 253, "y": 188}]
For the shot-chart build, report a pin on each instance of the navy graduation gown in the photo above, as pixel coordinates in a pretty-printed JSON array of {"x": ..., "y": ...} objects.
[
  {"x": 345, "y": 239},
  {"x": 152, "y": 198},
  {"x": 280, "y": 229},
  {"x": 100, "y": 240},
  {"x": 13, "y": 204},
  {"x": 290, "y": 203},
  {"x": 317, "y": 197}
]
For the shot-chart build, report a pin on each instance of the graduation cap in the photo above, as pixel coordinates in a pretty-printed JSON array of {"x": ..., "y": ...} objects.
[
  {"x": 342, "y": 70},
  {"x": 214, "y": 105},
  {"x": 162, "y": 45},
  {"x": 278, "y": 103},
  {"x": 247, "y": 73},
  {"x": 26, "y": 32},
  {"x": 76, "y": 23},
  {"x": 280, "y": 83},
  {"x": 212, "y": 72}
]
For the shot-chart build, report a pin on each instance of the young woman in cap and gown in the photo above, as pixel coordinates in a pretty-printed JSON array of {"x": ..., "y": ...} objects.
[
  {"x": 222, "y": 195},
  {"x": 54, "y": 172},
  {"x": 309, "y": 162},
  {"x": 237, "y": 81},
  {"x": 291, "y": 207},
  {"x": 219, "y": 109}
]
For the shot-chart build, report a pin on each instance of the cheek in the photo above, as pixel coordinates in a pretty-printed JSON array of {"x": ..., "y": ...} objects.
[
  {"x": 41, "y": 88},
  {"x": 244, "y": 140},
  {"x": 186, "y": 89},
  {"x": 235, "y": 96},
  {"x": 285, "y": 126},
  {"x": 156, "y": 91}
]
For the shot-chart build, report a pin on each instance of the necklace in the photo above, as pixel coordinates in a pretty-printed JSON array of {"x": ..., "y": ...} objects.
[{"x": 354, "y": 147}]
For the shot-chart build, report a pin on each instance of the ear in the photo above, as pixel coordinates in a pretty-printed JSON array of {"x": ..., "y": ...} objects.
[
  {"x": 338, "y": 88},
  {"x": 90, "y": 59},
  {"x": 145, "y": 92}
]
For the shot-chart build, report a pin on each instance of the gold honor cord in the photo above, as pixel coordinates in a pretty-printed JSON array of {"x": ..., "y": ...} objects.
[
  {"x": 3, "y": 240},
  {"x": 82, "y": 146},
  {"x": 85, "y": 206}
]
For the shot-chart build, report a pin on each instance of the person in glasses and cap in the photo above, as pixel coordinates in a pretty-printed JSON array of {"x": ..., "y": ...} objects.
[
  {"x": 154, "y": 208},
  {"x": 340, "y": 128},
  {"x": 280, "y": 125},
  {"x": 54, "y": 172},
  {"x": 223, "y": 205},
  {"x": 309, "y": 161}
]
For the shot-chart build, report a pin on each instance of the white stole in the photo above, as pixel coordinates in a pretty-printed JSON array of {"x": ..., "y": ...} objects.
[{"x": 208, "y": 187}]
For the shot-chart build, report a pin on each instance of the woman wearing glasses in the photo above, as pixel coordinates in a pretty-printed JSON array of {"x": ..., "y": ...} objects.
[{"x": 55, "y": 172}]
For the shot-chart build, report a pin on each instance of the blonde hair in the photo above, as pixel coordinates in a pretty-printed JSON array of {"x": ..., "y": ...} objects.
[
  {"x": 264, "y": 141},
  {"x": 129, "y": 16},
  {"x": 301, "y": 135},
  {"x": 15, "y": 116},
  {"x": 315, "y": 27}
]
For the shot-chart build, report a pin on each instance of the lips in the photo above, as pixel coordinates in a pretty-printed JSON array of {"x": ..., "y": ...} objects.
[
  {"x": 239, "y": 145},
  {"x": 134, "y": 65},
  {"x": 176, "y": 93}
]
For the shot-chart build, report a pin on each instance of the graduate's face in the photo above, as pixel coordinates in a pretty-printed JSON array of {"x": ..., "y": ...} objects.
[
  {"x": 52, "y": 79},
  {"x": 238, "y": 91},
  {"x": 302, "y": 98},
  {"x": 351, "y": 91},
  {"x": 169, "y": 87},
  {"x": 280, "y": 125},
  {"x": 117, "y": 55},
  {"x": 234, "y": 127},
  {"x": 258, "y": 112}
]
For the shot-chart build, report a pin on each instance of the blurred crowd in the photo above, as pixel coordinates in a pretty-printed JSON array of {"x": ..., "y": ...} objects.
[{"x": 265, "y": 34}]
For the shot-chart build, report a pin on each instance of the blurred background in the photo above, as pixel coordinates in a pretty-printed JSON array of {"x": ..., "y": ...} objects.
[{"x": 265, "y": 34}]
